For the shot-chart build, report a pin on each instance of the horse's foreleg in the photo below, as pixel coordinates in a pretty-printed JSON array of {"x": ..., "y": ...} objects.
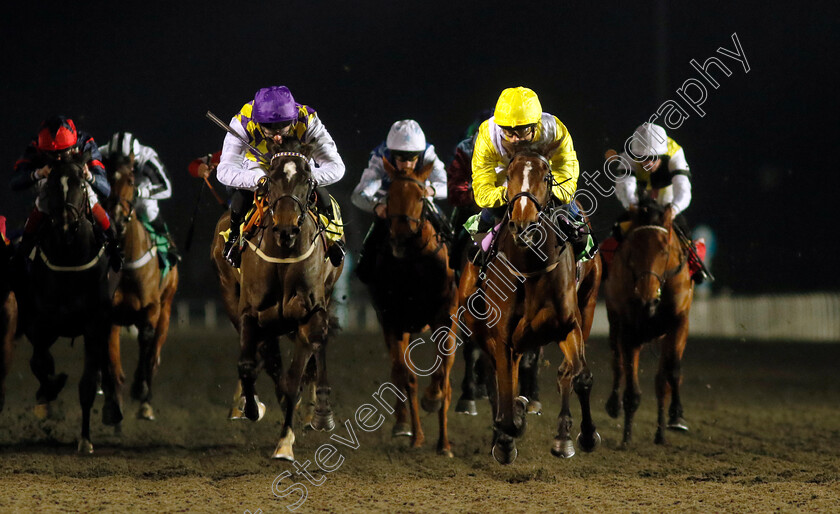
[
  {"x": 613, "y": 404},
  {"x": 576, "y": 373},
  {"x": 159, "y": 318},
  {"x": 509, "y": 422},
  {"x": 247, "y": 367},
  {"x": 293, "y": 387},
  {"x": 87, "y": 388},
  {"x": 632, "y": 391},
  {"x": 470, "y": 385},
  {"x": 438, "y": 395},
  {"x": 668, "y": 380},
  {"x": 273, "y": 366},
  {"x": 407, "y": 380},
  {"x": 529, "y": 380},
  {"x": 323, "y": 417},
  {"x": 8, "y": 314},
  {"x": 42, "y": 365}
]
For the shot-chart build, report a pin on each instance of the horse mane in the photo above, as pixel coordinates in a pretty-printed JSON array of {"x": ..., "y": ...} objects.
[{"x": 648, "y": 211}]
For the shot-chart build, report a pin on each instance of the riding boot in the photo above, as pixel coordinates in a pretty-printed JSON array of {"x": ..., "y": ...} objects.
[
  {"x": 367, "y": 257},
  {"x": 336, "y": 249},
  {"x": 161, "y": 228},
  {"x": 695, "y": 261},
  {"x": 232, "y": 250},
  {"x": 240, "y": 201}
]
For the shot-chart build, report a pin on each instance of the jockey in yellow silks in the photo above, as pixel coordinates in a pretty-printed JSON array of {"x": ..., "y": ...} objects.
[{"x": 518, "y": 116}]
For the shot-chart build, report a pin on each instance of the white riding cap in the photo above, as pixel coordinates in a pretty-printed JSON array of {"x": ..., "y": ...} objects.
[{"x": 406, "y": 136}]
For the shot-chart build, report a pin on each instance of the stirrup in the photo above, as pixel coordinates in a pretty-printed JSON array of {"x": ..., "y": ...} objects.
[{"x": 232, "y": 253}]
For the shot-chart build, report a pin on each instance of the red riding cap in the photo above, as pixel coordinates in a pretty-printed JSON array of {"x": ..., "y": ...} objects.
[{"x": 57, "y": 133}]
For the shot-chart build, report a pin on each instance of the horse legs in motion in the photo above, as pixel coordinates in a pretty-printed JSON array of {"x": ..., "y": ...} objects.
[{"x": 8, "y": 329}]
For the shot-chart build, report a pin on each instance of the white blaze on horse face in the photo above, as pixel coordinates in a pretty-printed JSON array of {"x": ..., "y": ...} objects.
[
  {"x": 290, "y": 168},
  {"x": 526, "y": 184},
  {"x": 65, "y": 187}
]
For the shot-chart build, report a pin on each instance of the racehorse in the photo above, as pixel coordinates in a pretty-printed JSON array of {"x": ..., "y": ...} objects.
[
  {"x": 415, "y": 288},
  {"x": 8, "y": 318},
  {"x": 67, "y": 294},
  {"x": 473, "y": 386},
  {"x": 525, "y": 298},
  {"x": 283, "y": 287},
  {"x": 648, "y": 296},
  {"x": 143, "y": 297}
]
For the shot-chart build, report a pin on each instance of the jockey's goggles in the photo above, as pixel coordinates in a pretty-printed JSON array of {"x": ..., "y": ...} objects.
[
  {"x": 521, "y": 132},
  {"x": 58, "y": 155},
  {"x": 276, "y": 129},
  {"x": 404, "y": 156}
]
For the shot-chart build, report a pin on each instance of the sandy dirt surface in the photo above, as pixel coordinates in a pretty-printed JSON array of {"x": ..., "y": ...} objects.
[{"x": 764, "y": 418}]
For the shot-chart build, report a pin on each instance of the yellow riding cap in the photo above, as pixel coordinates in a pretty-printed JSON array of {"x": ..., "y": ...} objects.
[{"x": 517, "y": 106}]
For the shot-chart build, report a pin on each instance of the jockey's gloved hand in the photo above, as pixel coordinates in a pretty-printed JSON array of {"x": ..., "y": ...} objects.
[
  {"x": 144, "y": 190},
  {"x": 262, "y": 186}
]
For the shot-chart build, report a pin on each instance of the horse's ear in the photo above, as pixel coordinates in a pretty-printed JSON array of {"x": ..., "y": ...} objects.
[
  {"x": 389, "y": 168},
  {"x": 424, "y": 173},
  {"x": 668, "y": 216},
  {"x": 549, "y": 149}
]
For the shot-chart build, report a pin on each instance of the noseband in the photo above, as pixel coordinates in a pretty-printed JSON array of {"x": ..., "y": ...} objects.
[
  {"x": 668, "y": 273},
  {"x": 410, "y": 219}
]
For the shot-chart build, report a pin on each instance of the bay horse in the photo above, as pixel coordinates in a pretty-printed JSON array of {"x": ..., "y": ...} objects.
[
  {"x": 283, "y": 287},
  {"x": 526, "y": 298},
  {"x": 8, "y": 317},
  {"x": 143, "y": 297},
  {"x": 415, "y": 288},
  {"x": 67, "y": 294},
  {"x": 648, "y": 295}
]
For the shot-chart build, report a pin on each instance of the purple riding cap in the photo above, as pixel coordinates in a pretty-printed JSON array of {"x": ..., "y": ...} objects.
[{"x": 274, "y": 105}]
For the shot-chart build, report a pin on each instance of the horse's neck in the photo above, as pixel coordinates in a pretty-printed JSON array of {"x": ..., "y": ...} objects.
[
  {"x": 136, "y": 240},
  {"x": 81, "y": 249}
]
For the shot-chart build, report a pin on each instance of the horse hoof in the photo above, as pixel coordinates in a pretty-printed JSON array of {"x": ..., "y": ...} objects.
[
  {"x": 42, "y": 411},
  {"x": 254, "y": 409},
  {"x": 146, "y": 412},
  {"x": 589, "y": 444},
  {"x": 465, "y": 406},
  {"x": 402, "y": 430},
  {"x": 505, "y": 455},
  {"x": 431, "y": 405},
  {"x": 534, "y": 407},
  {"x": 563, "y": 448},
  {"x": 613, "y": 405},
  {"x": 324, "y": 422},
  {"x": 659, "y": 438},
  {"x": 445, "y": 453},
  {"x": 678, "y": 424},
  {"x": 85, "y": 447},
  {"x": 284, "y": 448},
  {"x": 111, "y": 414}
]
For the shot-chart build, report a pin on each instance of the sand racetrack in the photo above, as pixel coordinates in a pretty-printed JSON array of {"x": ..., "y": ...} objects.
[{"x": 764, "y": 417}]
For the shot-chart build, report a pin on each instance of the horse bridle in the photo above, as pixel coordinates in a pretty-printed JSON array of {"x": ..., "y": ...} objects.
[
  {"x": 668, "y": 273},
  {"x": 303, "y": 206},
  {"x": 410, "y": 219}
]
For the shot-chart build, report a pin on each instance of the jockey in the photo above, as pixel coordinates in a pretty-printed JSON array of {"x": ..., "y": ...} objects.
[
  {"x": 274, "y": 115},
  {"x": 406, "y": 148},
  {"x": 519, "y": 117},
  {"x": 656, "y": 163},
  {"x": 56, "y": 140},
  {"x": 151, "y": 179}
]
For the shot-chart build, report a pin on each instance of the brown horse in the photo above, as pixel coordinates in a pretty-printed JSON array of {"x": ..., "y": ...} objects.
[
  {"x": 414, "y": 289},
  {"x": 648, "y": 295},
  {"x": 283, "y": 287},
  {"x": 143, "y": 297},
  {"x": 524, "y": 299},
  {"x": 8, "y": 318}
]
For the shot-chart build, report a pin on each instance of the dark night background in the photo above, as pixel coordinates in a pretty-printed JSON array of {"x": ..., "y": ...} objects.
[{"x": 764, "y": 174}]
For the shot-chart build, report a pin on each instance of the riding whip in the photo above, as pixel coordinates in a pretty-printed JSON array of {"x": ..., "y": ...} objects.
[{"x": 215, "y": 119}]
